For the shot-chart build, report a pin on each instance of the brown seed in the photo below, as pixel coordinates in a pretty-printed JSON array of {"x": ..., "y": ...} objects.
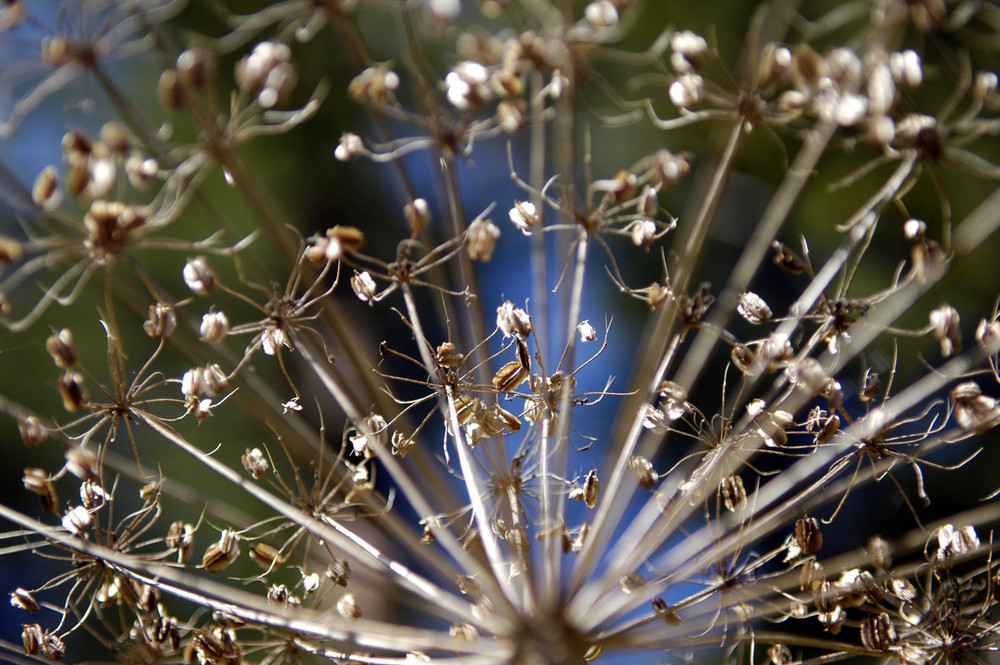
[
  {"x": 786, "y": 259},
  {"x": 779, "y": 654},
  {"x": 60, "y": 347},
  {"x": 170, "y": 91},
  {"x": 734, "y": 494},
  {"x": 160, "y": 322},
  {"x": 32, "y": 638},
  {"x": 32, "y": 431},
  {"x": 222, "y": 553},
  {"x": 509, "y": 377},
  {"x": 878, "y": 632},
  {"x": 266, "y": 556},
  {"x": 180, "y": 537},
  {"x": 643, "y": 472},
  {"x": 591, "y": 488},
  {"x": 339, "y": 572},
  {"x": 743, "y": 358},
  {"x": 37, "y": 481},
  {"x": 665, "y": 612},
  {"x": 808, "y": 535},
  {"x": 23, "y": 600},
  {"x": 448, "y": 356}
]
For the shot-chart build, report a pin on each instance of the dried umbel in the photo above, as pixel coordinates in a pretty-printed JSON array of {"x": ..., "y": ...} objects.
[{"x": 394, "y": 431}]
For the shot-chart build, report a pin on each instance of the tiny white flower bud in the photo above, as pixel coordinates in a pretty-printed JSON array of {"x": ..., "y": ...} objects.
[
  {"x": 601, "y": 14},
  {"x": 587, "y": 332}
]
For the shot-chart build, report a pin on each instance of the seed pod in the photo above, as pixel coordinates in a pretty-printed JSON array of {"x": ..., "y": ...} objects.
[
  {"x": 222, "y": 553},
  {"x": 944, "y": 323},
  {"x": 169, "y": 90},
  {"x": 779, "y": 654},
  {"x": 591, "y": 488},
  {"x": 364, "y": 287},
  {"x": 160, "y": 322},
  {"x": 988, "y": 336},
  {"x": 481, "y": 239},
  {"x": 214, "y": 326},
  {"x": 418, "y": 215},
  {"x": 808, "y": 535},
  {"x": 830, "y": 427},
  {"x": 347, "y": 607},
  {"x": 524, "y": 216},
  {"x": 199, "y": 276},
  {"x": 872, "y": 385},
  {"x": 37, "y": 481},
  {"x": 32, "y": 431},
  {"x": 266, "y": 556},
  {"x": 811, "y": 576},
  {"x": 743, "y": 358},
  {"x": 255, "y": 463},
  {"x": 513, "y": 321},
  {"x": 338, "y": 572},
  {"x": 665, "y": 612},
  {"x": 45, "y": 191},
  {"x": 509, "y": 377},
  {"x": 82, "y": 463},
  {"x": 878, "y": 633},
  {"x": 786, "y": 259},
  {"x": 32, "y": 638},
  {"x": 642, "y": 471},
  {"x": 448, "y": 356},
  {"x": 92, "y": 495},
  {"x": 753, "y": 308},
  {"x": 973, "y": 410},
  {"x": 23, "y": 600},
  {"x": 77, "y": 520},
  {"x": 734, "y": 494},
  {"x": 193, "y": 68},
  {"x": 60, "y": 347},
  {"x": 902, "y": 589},
  {"x": 879, "y": 554},
  {"x": 180, "y": 538}
]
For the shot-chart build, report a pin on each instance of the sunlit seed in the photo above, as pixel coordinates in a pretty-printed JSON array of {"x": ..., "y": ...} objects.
[
  {"x": 509, "y": 377},
  {"x": 642, "y": 471},
  {"x": 24, "y": 600}
]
